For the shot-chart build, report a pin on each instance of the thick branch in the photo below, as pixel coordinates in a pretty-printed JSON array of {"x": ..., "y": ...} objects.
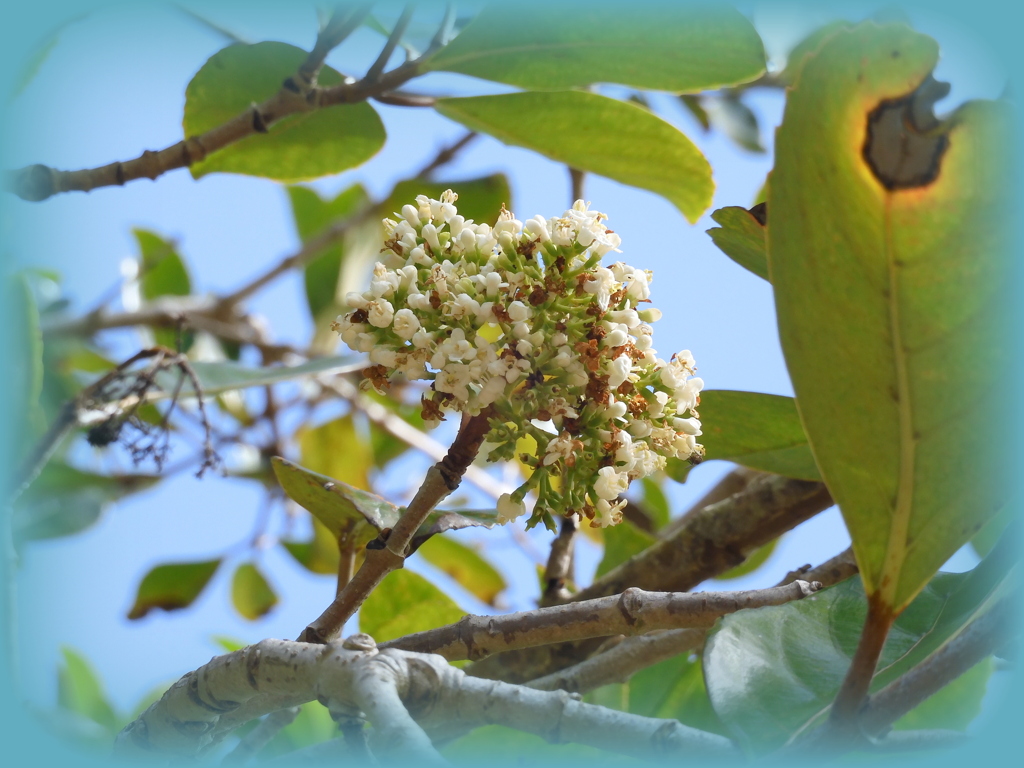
[
  {"x": 401, "y": 694},
  {"x": 442, "y": 478},
  {"x": 634, "y": 612},
  {"x": 712, "y": 540}
]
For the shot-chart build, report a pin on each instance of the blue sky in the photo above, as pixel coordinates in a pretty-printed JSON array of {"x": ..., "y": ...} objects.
[{"x": 114, "y": 86}]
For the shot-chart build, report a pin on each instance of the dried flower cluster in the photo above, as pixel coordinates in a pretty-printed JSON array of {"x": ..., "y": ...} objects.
[{"x": 521, "y": 317}]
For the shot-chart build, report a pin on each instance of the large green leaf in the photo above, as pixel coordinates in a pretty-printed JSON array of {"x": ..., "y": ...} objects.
[
  {"x": 466, "y": 566},
  {"x": 251, "y": 594},
  {"x": 63, "y": 501},
  {"x": 300, "y": 147},
  {"x": 772, "y": 672},
  {"x": 741, "y": 238},
  {"x": 312, "y": 215},
  {"x": 318, "y": 555},
  {"x": 955, "y": 706},
  {"x": 675, "y": 47},
  {"x": 595, "y": 133},
  {"x": 404, "y": 603},
  {"x": 886, "y": 253},
  {"x": 755, "y": 430},
  {"x": 172, "y": 586},
  {"x": 79, "y": 690}
]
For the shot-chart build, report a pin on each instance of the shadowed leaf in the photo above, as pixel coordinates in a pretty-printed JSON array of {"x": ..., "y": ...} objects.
[
  {"x": 742, "y": 238},
  {"x": 172, "y": 586},
  {"x": 251, "y": 595},
  {"x": 404, "y": 603},
  {"x": 79, "y": 690},
  {"x": 466, "y": 566}
]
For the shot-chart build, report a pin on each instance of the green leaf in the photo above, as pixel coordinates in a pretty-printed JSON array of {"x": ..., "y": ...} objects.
[
  {"x": 807, "y": 47},
  {"x": 338, "y": 450},
  {"x": 755, "y": 430},
  {"x": 312, "y": 216},
  {"x": 63, "y": 501},
  {"x": 216, "y": 378},
  {"x": 404, "y": 603},
  {"x": 228, "y": 644},
  {"x": 163, "y": 273},
  {"x": 987, "y": 538},
  {"x": 742, "y": 238},
  {"x": 892, "y": 293},
  {"x": 466, "y": 566},
  {"x": 25, "y": 373},
  {"x": 621, "y": 542},
  {"x": 655, "y": 502},
  {"x": 670, "y": 48},
  {"x": 79, "y": 690},
  {"x": 172, "y": 586},
  {"x": 755, "y": 560},
  {"x": 955, "y": 706},
  {"x": 360, "y": 515},
  {"x": 773, "y": 672},
  {"x": 597, "y": 134},
  {"x": 298, "y": 148},
  {"x": 674, "y": 689},
  {"x": 320, "y": 554},
  {"x": 251, "y": 595},
  {"x": 480, "y": 199},
  {"x": 312, "y": 725},
  {"x": 736, "y": 120}
]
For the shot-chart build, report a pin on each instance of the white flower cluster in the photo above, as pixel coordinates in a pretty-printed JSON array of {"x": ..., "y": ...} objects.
[{"x": 521, "y": 318}]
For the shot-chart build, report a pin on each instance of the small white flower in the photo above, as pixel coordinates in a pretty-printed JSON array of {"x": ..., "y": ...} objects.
[
  {"x": 380, "y": 313},
  {"x": 509, "y": 509},
  {"x": 689, "y": 426},
  {"x": 610, "y": 483},
  {"x": 619, "y": 370},
  {"x": 518, "y": 311},
  {"x": 607, "y": 513},
  {"x": 406, "y": 324}
]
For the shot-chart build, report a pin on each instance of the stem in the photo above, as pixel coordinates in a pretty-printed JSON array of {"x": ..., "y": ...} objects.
[
  {"x": 346, "y": 562},
  {"x": 577, "y": 179},
  {"x": 559, "y": 567},
  {"x": 442, "y": 478},
  {"x": 854, "y": 691}
]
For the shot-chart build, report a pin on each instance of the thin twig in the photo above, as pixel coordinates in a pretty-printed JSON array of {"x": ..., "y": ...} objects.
[
  {"x": 338, "y": 28},
  {"x": 558, "y": 572},
  {"x": 446, "y": 154},
  {"x": 577, "y": 179},
  {"x": 392, "y": 42},
  {"x": 441, "y": 479},
  {"x": 407, "y": 433}
]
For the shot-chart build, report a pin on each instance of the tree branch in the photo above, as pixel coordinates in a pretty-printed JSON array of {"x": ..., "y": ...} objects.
[
  {"x": 39, "y": 182},
  {"x": 402, "y": 694},
  {"x": 442, "y": 478},
  {"x": 977, "y": 641},
  {"x": 260, "y": 736},
  {"x": 634, "y": 612},
  {"x": 711, "y": 541},
  {"x": 620, "y": 662}
]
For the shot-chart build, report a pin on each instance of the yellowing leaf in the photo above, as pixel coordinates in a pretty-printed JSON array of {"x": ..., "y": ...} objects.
[
  {"x": 887, "y": 256},
  {"x": 465, "y": 565}
]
